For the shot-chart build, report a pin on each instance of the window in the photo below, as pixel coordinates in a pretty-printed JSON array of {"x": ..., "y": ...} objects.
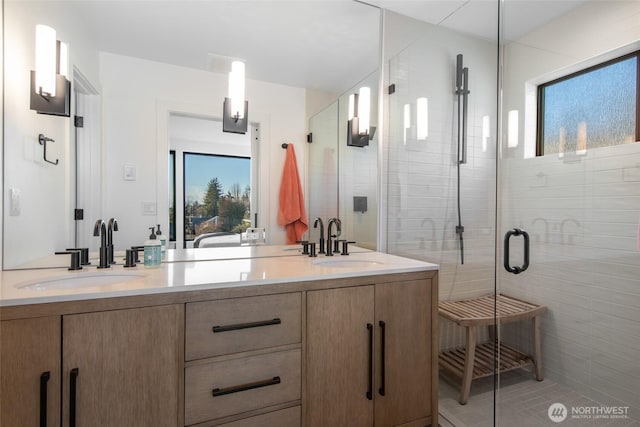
[
  {"x": 595, "y": 107},
  {"x": 172, "y": 196},
  {"x": 217, "y": 194}
]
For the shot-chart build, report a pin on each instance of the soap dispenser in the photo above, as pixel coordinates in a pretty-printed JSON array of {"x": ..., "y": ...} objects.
[
  {"x": 152, "y": 251},
  {"x": 163, "y": 241}
]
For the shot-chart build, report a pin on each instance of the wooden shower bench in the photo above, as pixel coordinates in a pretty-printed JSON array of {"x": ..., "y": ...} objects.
[{"x": 477, "y": 360}]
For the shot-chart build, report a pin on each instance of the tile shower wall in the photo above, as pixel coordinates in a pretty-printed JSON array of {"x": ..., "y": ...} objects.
[
  {"x": 583, "y": 215},
  {"x": 422, "y": 174}
]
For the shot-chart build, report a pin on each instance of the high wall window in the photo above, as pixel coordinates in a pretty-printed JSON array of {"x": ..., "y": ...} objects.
[{"x": 595, "y": 107}]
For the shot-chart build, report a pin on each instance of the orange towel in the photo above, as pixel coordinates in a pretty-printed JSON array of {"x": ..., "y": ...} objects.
[{"x": 292, "y": 214}]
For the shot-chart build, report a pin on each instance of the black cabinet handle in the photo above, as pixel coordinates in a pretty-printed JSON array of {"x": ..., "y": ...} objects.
[
  {"x": 244, "y": 387},
  {"x": 72, "y": 397},
  {"x": 507, "y": 238},
  {"x": 382, "y": 348},
  {"x": 44, "y": 379},
  {"x": 370, "y": 390},
  {"x": 238, "y": 326}
]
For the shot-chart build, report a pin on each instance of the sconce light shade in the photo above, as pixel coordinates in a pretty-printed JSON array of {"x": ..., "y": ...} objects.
[
  {"x": 50, "y": 91},
  {"x": 236, "y": 108},
  {"x": 46, "y": 60},
  {"x": 359, "y": 131}
]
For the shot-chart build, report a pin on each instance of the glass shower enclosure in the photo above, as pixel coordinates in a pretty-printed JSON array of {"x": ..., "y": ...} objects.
[{"x": 567, "y": 221}]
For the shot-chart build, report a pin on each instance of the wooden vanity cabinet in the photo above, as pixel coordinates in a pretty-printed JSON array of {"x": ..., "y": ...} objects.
[
  {"x": 370, "y": 355},
  {"x": 125, "y": 366},
  {"x": 30, "y": 372},
  {"x": 122, "y": 366}
]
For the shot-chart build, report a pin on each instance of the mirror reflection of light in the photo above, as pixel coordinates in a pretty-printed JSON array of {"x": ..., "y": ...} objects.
[
  {"x": 407, "y": 121},
  {"x": 581, "y": 144},
  {"x": 364, "y": 109},
  {"x": 422, "y": 119},
  {"x": 512, "y": 136},
  {"x": 236, "y": 88},
  {"x": 200, "y": 273},
  {"x": 485, "y": 132}
]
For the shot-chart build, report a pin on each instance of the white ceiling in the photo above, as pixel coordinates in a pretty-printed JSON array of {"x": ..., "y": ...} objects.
[{"x": 321, "y": 44}]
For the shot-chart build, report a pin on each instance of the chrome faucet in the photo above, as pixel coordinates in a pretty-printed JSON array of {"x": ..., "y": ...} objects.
[
  {"x": 321, "y": 240},
  {"x": 100, "y": 229},
  {"x": 112, "y": 226},
  {"x": 338, "y": 224}
]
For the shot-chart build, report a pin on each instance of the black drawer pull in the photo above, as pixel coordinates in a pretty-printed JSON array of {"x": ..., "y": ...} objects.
[
  {"x": 44, "y": 379},
  {"x": 73, "y": 390},
  {"x": 238, "y": 326},
  {"x": 369, "y": 393},
  {"x": 244, "y": 387},
  {"x": 383, "y": 344}
]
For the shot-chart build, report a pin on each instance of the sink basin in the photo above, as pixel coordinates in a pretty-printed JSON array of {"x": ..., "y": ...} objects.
[
  {"x": 345, "y": 262},
  {"x": 82, "y": 280}
]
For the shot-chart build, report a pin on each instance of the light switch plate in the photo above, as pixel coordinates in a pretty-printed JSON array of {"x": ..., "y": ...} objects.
[
  {"x": 129, "y": 172},
  {"x": 149, "y": 208}
]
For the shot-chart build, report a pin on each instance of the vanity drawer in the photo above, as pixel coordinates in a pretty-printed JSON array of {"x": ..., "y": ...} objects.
[
  {"x": 289, "y": 417},
  {"x": 229, "y": 387},
  {"x": 241, "y": 324}
]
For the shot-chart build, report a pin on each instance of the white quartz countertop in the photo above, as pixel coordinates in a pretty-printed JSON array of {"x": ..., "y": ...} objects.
[{"x": 196, "y": 270}]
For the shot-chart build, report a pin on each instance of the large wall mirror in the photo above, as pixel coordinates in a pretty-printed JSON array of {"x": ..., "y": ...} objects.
[{"x": 132, "y": 66}]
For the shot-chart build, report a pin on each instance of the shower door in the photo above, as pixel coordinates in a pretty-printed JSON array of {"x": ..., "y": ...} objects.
[
  {"x": 569, "y": 213},
  {"x": 441, "y": 205}
]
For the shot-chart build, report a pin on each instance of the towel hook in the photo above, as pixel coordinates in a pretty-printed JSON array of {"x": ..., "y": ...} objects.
[
  {"x": 43, "y": 141},
  {"x": 285, "y": 145}
]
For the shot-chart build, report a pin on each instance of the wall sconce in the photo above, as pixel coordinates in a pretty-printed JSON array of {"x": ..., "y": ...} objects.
[
  {"x": 50, "y": 89},
  {"x": 236, "y": 108},
  {"x": 359, "y": 131}
]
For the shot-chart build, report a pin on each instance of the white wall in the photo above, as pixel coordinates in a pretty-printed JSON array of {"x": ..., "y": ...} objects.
[
  {"x": 44, "y": 224},
  {"x": 584, "y": 219},
  {"x": 136, "y": 93}
]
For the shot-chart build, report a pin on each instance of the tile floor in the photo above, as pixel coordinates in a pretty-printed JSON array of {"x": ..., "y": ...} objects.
[{"x": 522, "y": 402}]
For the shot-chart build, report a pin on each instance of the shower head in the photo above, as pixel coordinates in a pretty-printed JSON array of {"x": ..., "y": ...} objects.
[{"x": 459, "y": 71}]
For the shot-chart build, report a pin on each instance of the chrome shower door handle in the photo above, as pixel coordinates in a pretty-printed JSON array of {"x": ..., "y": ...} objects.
[{"x": 507, "y": 238}]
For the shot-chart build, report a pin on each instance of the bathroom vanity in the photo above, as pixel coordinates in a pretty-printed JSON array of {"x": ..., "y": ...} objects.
[{"x": 262, "y": 341}]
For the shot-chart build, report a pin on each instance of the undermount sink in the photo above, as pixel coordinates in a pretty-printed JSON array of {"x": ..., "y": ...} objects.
[
  {"x": 345, "y": 262},
  {"x": 82, "y": 280}
]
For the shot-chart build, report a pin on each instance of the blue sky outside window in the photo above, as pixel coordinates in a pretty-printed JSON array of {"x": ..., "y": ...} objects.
[{"x": 596, "y": 108}]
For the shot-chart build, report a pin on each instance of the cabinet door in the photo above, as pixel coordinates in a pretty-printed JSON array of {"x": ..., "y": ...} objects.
[
  {"x": 30, "y": 372},
  {"x": 404, "y": 394},
  {"x": 128, "y": 366},
  {"x": 338, "y": 357}
]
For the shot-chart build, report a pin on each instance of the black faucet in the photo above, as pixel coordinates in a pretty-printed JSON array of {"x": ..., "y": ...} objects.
[
  {"x": 338, "y": 224},
  {"x": 321, "y": 241},
  {"x": 100, "y": 229},
  {"x": 112, "y": 226}
]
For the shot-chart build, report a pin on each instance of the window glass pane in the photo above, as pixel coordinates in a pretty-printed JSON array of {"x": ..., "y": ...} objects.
[
  {"x": 593, "y": 109},
  {"x": 172, "y": 196},
  {"x": 217, "y": 194}
]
